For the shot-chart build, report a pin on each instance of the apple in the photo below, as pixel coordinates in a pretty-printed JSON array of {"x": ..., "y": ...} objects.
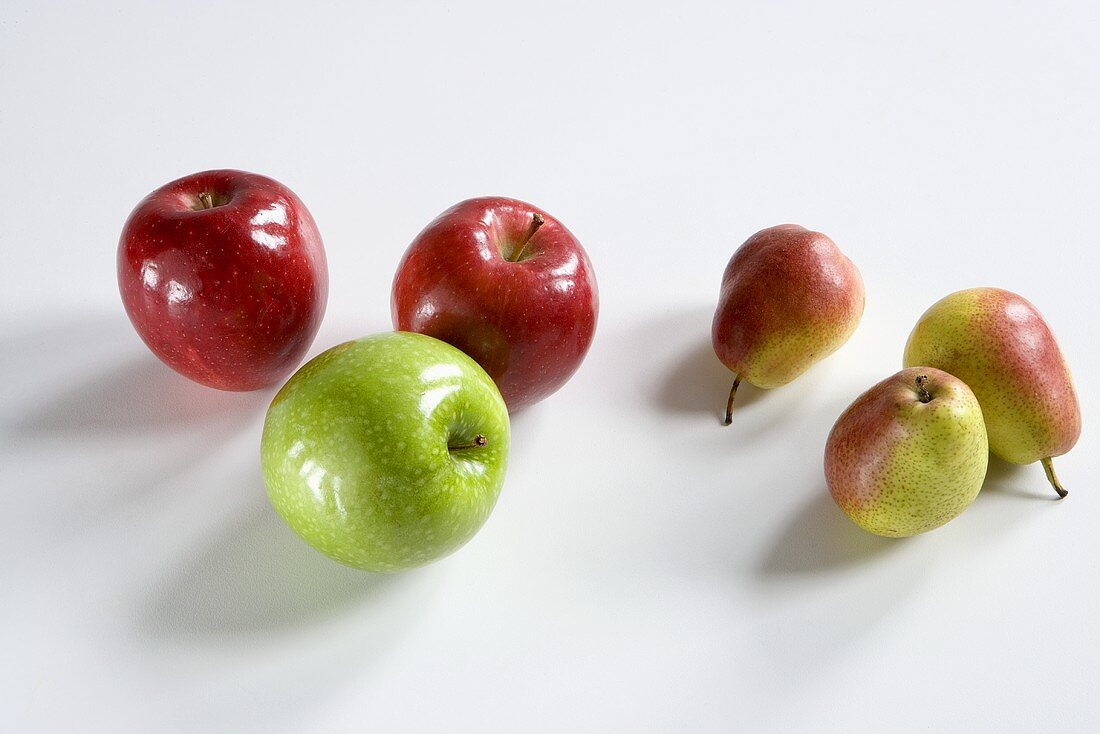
[
  {"x": 509, "y": 285},
  {"x": 386, "y": 453},
  {"x": 223, "y": 275}
]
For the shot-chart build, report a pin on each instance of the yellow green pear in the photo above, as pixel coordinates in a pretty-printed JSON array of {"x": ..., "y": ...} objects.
[
  {"x": 909, "y": 454},
  {"x": 999, "y": 344}
]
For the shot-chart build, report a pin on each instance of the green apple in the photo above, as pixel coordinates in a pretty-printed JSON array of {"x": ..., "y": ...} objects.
[{"x": 387, "y": 452}]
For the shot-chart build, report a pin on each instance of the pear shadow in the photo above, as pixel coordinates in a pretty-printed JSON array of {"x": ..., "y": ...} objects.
[
  {"x": 819, "y": 538},
  {"x": 699, "y": 383},
  {"x": 255, "y": 577},
  {"x": 1007, "y": 479}
]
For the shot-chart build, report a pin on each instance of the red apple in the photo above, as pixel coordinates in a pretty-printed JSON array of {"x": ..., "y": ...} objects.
[
  {"x": 223, "y": 275},
  {"x": 509, "y": 285}
]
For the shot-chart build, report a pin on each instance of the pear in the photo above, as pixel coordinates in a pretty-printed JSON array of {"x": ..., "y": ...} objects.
[
  {"x": 997, "y": 343},
  {"x": 909, "y": 454},
  {"x": 789, "y": 298}
]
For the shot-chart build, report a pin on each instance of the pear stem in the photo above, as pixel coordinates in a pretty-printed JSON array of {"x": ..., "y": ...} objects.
[
  {"x": 206, "y": 200},
  {"x": 478, "y": 442},
  {"x": 537, "y": 221},
  {"x": 1048, "y": 467},
  {"x": 922, "y": 391},
  {"x": 729, "y": 403}
]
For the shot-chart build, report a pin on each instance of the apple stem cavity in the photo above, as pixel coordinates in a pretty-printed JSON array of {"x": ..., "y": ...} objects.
[
  {"x": 479, "y": 442},
  {"x": 729, "y": 403},
  {"x": 1048, "y": 467},
  {"x": 922, "y": 391},
  {"x": 537, "y": 220},
  {"x": 205, "y": 200}
]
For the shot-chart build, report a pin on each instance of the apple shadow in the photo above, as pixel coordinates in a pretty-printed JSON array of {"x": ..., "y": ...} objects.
[
  {"x": 132, "y": 395},
  {"x": 527, "y": 420},
  {"x": 127, "y": 424},
  {"x": 256, "y": 576},
  {"x": 336, "y": 330},
  {"x": 1004, "y": 478},
  {"x": 140, "y": 397},
  {"x": 819, "y": 538}
]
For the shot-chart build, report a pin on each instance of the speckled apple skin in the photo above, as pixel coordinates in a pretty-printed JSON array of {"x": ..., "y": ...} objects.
[
  {"x": 355, "y": 451},
  {"x": 528, "y": 323},
  {"x": 789, "y": 298},
  {"x": 997, "y": 343},
  {"x": 232, "y": 296},
  {"x": 898, "y": 467}
]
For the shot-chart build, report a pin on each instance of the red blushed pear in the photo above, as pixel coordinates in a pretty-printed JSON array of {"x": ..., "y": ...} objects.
[
  {"x": 223, "y": 275},
  {"x": 509, "y": 285},
  {"x": 909, "y": 454},
  {"x": 999, "y": 344},
  {"x": 789, "y": 298}
]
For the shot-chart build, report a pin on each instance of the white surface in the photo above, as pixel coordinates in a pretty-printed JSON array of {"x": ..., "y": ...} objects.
[{"x": 645, "y": 569}]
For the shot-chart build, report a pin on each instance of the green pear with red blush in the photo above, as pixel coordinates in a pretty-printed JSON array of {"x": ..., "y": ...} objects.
[
  {"x": 789, "y": 298},
  {"x": 909, "y": 454},
  {"x": 999, "y": 344}
]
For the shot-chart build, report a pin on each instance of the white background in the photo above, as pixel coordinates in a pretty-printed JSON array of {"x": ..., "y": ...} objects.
[{"x": 645, "y": 569}]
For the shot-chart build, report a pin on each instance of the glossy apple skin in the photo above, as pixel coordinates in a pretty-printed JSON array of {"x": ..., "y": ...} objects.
[
  {"x": 359, "y": 451},
  {"x": 529, "y": 323},
  {"x": 229, "y": 296}
]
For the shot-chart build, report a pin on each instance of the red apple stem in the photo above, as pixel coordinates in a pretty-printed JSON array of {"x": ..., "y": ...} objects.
[
  {"x": 478, "y": 442},
  {"x": 729, "y": 403},
  {"x": 1048, "y": 467},
  {"x": 206, "y": 200},
  {"x": 922, "y": 391},
  {"x": 537, "y": 220}
]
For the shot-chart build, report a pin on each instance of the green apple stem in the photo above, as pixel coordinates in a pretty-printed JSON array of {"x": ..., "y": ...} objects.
[
  {"x": 729, "y": 403},
  {"x": 537, "y": 221},
  {"x": 206, "y": 200},
  {"x": 922, "y": 391},
  {"x": 478, "y": 442},
  {"x": 1048, "y": 467}
]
